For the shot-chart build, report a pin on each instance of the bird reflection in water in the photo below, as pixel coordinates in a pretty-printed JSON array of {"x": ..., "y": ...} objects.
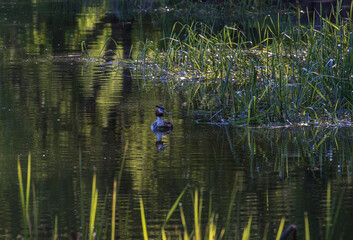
[{"x": 159, "y": 143}]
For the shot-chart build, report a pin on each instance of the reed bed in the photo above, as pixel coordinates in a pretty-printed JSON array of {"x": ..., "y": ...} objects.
[{"x": 279, "y": 71}]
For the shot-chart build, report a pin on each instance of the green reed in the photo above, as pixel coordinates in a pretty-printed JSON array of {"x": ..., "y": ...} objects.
[
  {"x": 197, "y": 233},
  {"x": 113, "y": 210},
  {"x": 280, "y": 229},
  {"x": 55, "y": 230},
  {"x": 23, "y": 201},
  {"x": 94, "y": 201},
  {"x": 85, "y": 51},
  {"x": 307, "y": 231},
  {"x": 29, "y": 224},
  {"x": 279, "y": 72},
  {"x": 210, "y": 229}
]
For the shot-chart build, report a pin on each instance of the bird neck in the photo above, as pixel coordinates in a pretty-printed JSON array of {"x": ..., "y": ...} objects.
[{"x": 160, "y": 121}]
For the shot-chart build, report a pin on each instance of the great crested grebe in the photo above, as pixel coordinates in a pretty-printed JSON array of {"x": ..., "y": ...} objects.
[{"x": 161, "y": 125}]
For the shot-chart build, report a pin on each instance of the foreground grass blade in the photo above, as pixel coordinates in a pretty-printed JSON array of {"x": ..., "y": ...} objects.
[
  {"x": 280, "y": 229},
  {"x": 266, "y": 231},
  {"x": 113, "y": 210},
  {"x": 307, "y": 232},
  {"x": 246, "y": 233},
  {"x": 143, "y": 220},
  {"x": 186, "y": 235},
  {"x": 25, "y": 201},
  {"x": 94, "y": 199},
  {"x": 196, "y": 216},
  {"x": 19, "y": 174},
  {"x": 23, "y": 205},
  {"x": 28, "y": 181},
  {"x": 171, "y": 211}
]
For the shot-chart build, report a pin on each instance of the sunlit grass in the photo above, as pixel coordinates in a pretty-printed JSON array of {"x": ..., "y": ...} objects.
[
  {"x": 113, "y": 210},
  {"x": 197, "y": 233},
  {"x": 27, "y": 222},
  {"x": 246, "y": 233},
  {"x": 93, "y": 211},
  {"x": 280, "y": 229},
  {"x": 143, "y": 220},
  {"x": 211, "y": 231},
  {"x": 295, "y": 74},
  {"x": 200, "y": 228},
  {"x": 307, "y": 230}
]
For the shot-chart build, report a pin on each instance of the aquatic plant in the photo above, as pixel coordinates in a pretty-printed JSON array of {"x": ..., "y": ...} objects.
[
  {"x": 94, "y": 229},
  {"x": 293, "y": 73},
  {"x": 30, "y": 223},
  {"x": 209, "y": 229}
]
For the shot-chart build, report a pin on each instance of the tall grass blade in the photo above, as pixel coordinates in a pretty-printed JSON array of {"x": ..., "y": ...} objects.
[
  {"x": 23, "y": 204},
  {"x": 28, "y": 181},
  {"x": 93, "y": 211},
  {"x": 143, "y": 220},
  {"x": 19, "y": 174},
  {"x": 212, "y": 227},
  {"x": 266, "y": 231},
  {"x": 307, "y": 231},
  {"x": 196, "y": 216},
  {"x": 186, "y": 235},
  {"x": 246, "y": 233},
  {"x": 164, "y": 236},
  {"x": 113, "y": 211},
  {"x": 280, "y": 229},
  {"x": 171, "y": 211}
]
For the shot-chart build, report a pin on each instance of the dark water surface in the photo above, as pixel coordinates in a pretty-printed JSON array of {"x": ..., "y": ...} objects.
[{"x": 58, "y": 104}]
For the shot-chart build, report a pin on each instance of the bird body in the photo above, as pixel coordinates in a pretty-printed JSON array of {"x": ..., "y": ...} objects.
[{"x": 161, "y": 125}]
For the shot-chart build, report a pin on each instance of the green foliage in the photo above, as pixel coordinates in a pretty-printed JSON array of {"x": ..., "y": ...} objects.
[
  {"x": 26, "y": 213},
  {"x": 201, "y": 229},
  {"x": 143, "y": 220},
  {"x": 293, "y": 73},
  {"x": 93, "y": 211}
]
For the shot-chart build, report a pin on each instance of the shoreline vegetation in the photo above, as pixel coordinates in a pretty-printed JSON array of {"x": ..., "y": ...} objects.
[{"x": 277, "y": 71}]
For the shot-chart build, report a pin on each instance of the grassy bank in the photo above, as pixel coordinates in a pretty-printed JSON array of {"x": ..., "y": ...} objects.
[{"x": 276, "y": 71}]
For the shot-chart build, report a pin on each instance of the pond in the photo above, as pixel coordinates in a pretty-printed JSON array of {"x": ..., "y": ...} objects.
[{"x": 75, "y": 114}]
